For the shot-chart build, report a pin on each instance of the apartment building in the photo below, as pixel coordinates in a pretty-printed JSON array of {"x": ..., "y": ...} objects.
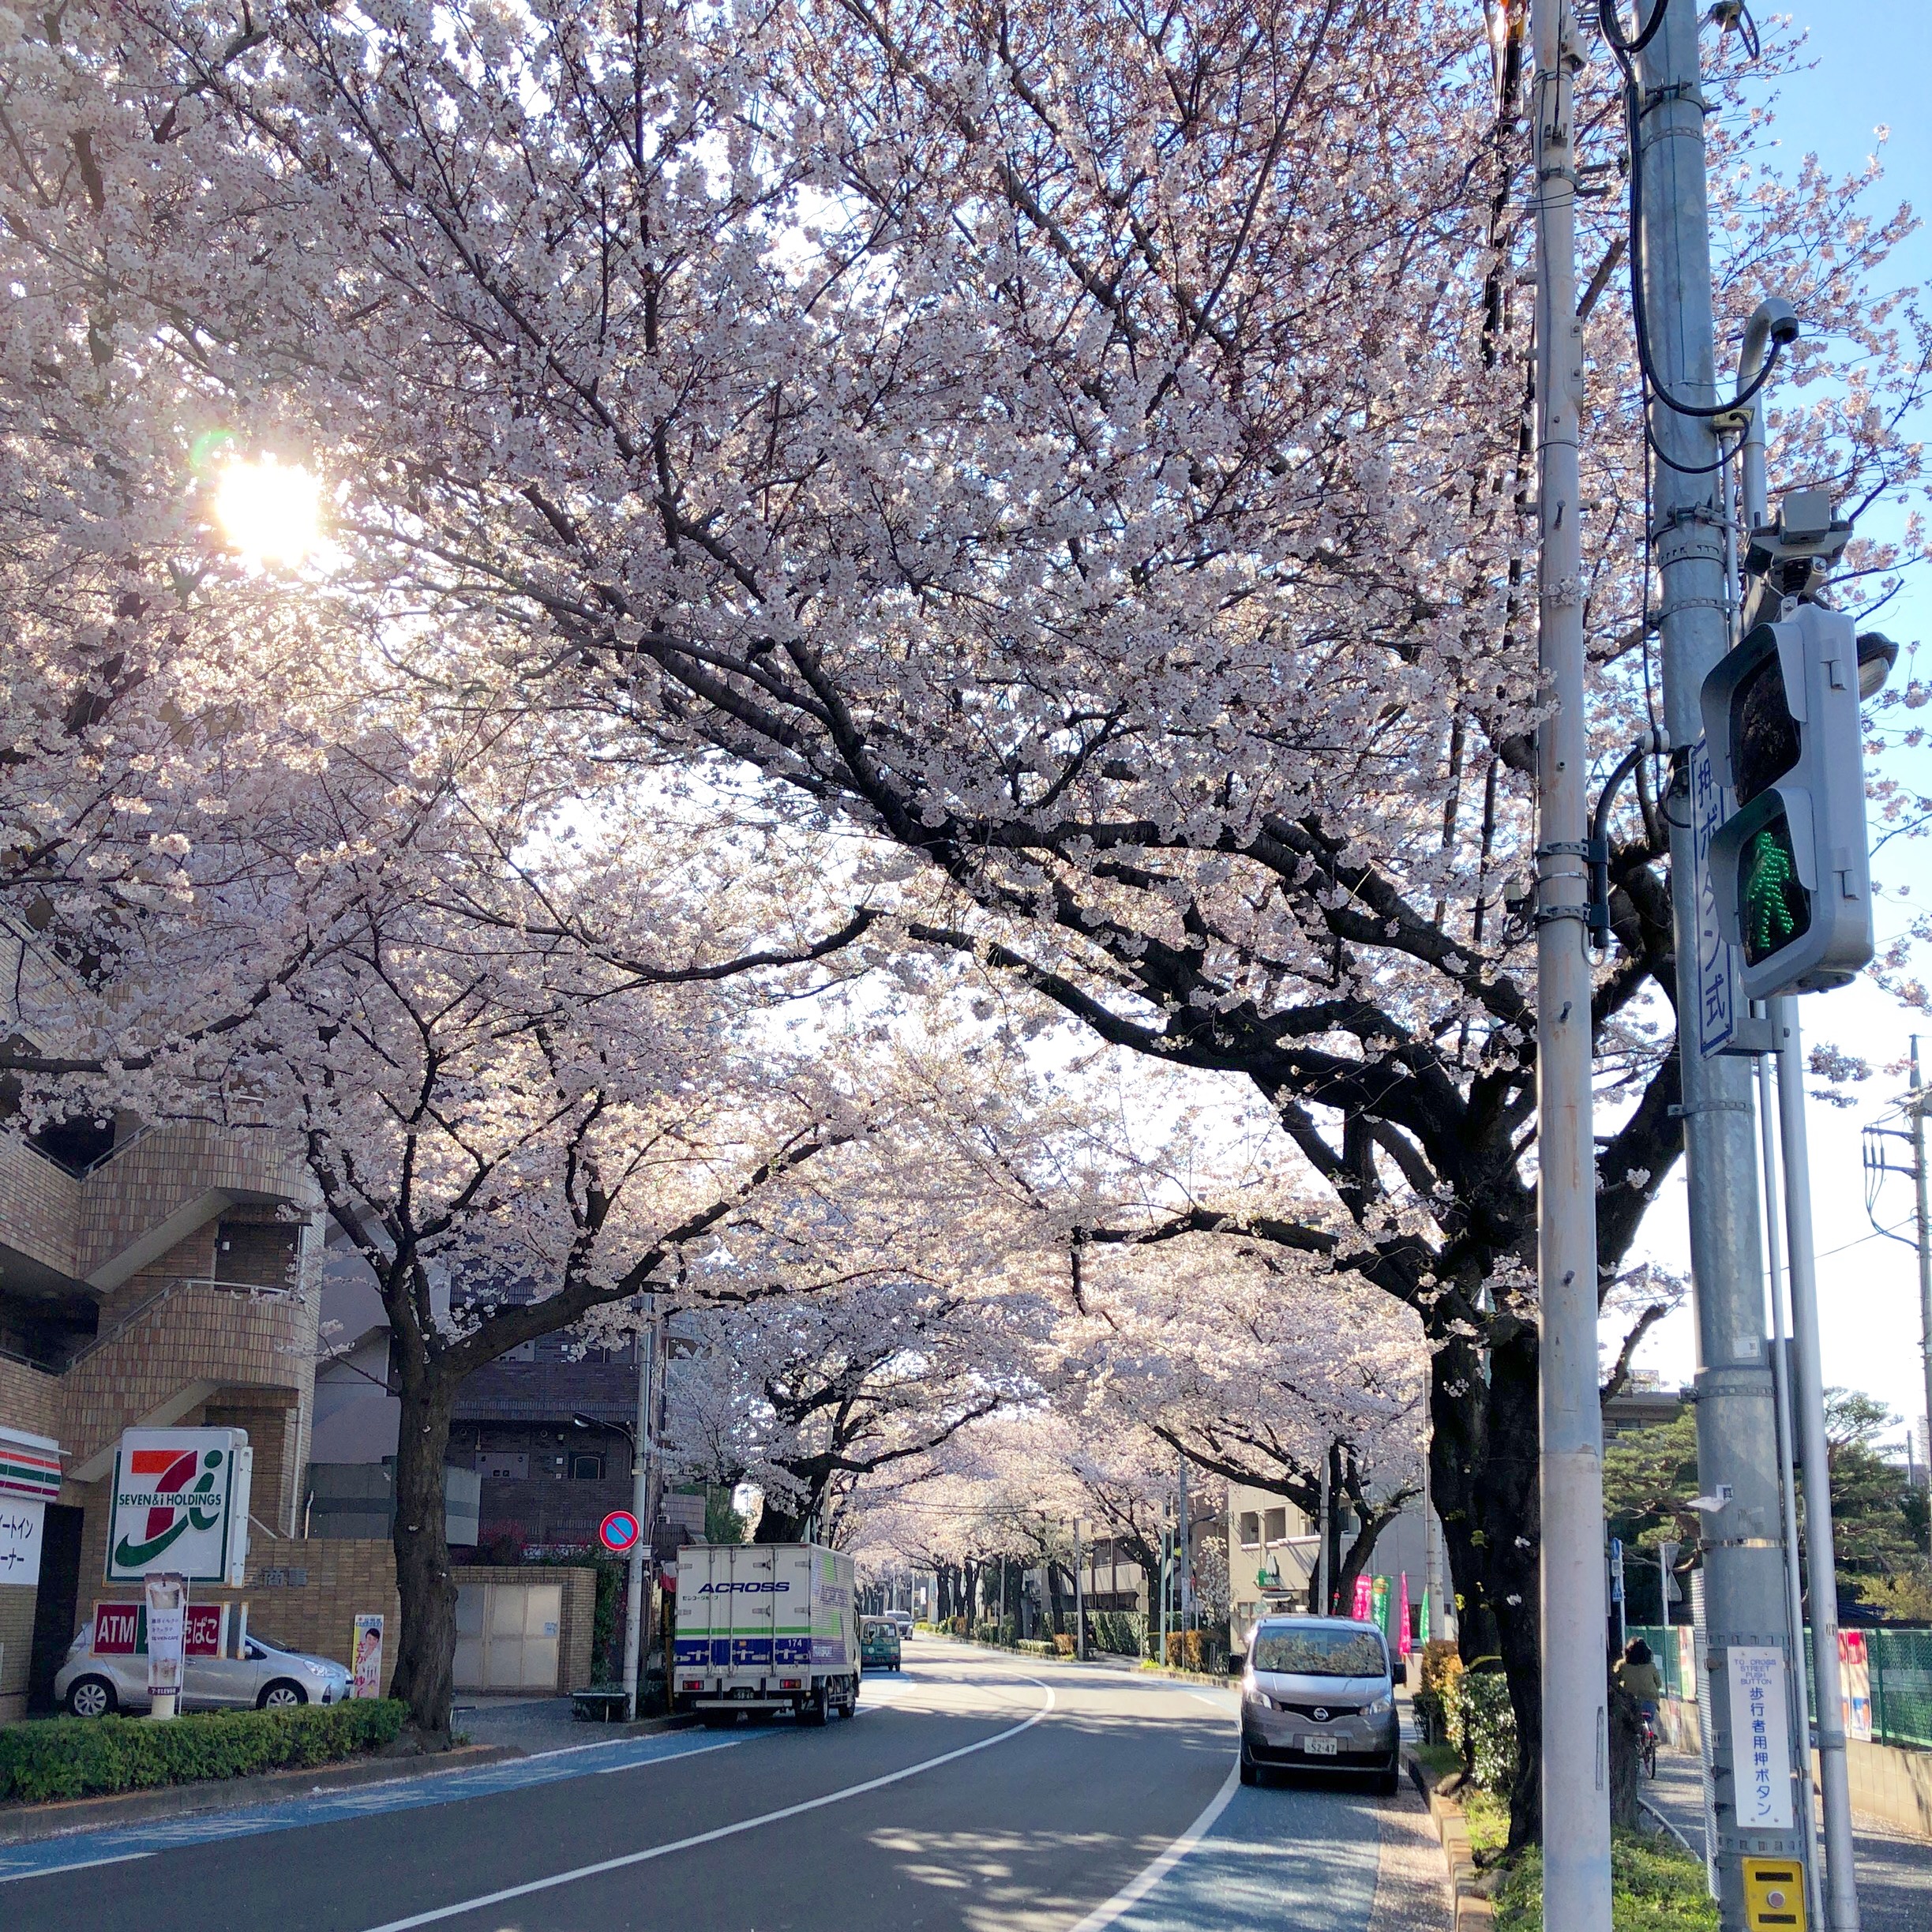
[{"x": 151, "y": 1276}]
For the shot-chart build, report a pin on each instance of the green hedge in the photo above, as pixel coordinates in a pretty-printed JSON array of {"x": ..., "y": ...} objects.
[{"x": 77, "y": 1756}]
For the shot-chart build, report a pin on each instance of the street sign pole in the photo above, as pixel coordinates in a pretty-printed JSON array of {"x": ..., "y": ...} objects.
[
  {"x": 1841, "y": 1883},
  {"x": 1923, "y": 1191},
  {"x": 641, "y": 1502}
]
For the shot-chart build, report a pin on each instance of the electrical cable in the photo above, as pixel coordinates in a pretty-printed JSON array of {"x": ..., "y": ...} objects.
[
  {"x": 1623, "y": 51},
  {"x": 1613, "y": 27},
  {"x": 1689, "y": 469}
]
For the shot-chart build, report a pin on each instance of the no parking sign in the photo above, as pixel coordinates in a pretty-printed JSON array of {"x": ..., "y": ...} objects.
[{"x": 618, "y": 1532}]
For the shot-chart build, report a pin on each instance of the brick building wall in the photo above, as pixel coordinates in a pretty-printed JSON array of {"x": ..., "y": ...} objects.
[
  {"x": 17, "y": 1602},
  {"x": 29, "y": 1399}
]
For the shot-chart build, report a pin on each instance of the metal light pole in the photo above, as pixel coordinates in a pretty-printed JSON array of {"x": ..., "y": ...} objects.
[
  {"x": 1925, "y": 1251},
  {"x": 1737, "y": 1443},
  {"x": 1576, "y": 1770},
  {"x": 1322, "y": 1604},
  {"x": 1841, "y": 1885},
  {"x": 1183, "y": 1553}
]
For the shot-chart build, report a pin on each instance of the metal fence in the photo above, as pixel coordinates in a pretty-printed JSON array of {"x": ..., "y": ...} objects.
[{"x": 1900, "y": 1663}]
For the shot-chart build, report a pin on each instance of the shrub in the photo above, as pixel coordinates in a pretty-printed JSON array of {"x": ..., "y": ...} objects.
[
  {"x": 1441, "y": 1667},
  {"x": 1481, "y": 1725},
  {"x": 1063, "y": 1643},
  {"x": 76, "y": 1757},
  {"x": 1184, "y": 1650},
  {"x": 1655, "y": 1886}
]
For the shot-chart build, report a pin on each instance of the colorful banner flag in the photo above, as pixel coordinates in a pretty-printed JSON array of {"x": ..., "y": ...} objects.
[
  {"x": 1403, "y": 1645},
  {"x": 1422, "y": 1622},
  {"x": 1380, "y": 1601},
  {"x": 1364, "y": 1591}
]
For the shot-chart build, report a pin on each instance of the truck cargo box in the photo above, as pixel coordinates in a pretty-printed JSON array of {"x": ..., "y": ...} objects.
[{"x": 770, "y": 1625}]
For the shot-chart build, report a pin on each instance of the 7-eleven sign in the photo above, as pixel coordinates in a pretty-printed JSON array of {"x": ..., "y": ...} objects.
[{"x": 181, "y": 1501}]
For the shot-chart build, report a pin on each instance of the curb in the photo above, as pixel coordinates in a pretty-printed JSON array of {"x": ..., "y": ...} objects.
[
  {"x": 1474, "y": 1911},
  {"x": 57, "y": 1817}
]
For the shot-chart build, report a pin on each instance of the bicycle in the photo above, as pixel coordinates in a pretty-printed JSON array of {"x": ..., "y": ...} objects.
[{"x": 1648, "y": 1748}]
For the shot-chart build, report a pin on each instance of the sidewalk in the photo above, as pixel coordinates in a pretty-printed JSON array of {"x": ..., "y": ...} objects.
[{"x": 1894, "y": 1872}]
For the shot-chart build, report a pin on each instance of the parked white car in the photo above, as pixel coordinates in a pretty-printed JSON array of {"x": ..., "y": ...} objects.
[{"x": 268, "y": 1676}]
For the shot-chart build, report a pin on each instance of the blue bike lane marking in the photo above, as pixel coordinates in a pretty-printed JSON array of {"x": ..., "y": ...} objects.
[{"x": 118, "y": 1844}]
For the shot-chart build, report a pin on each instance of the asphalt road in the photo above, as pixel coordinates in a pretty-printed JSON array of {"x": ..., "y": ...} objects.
[{"x": 975, "y": 1790}]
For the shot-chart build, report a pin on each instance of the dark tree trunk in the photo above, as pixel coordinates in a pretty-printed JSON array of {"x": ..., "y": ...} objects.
[
  {"x": 1057, "y": 1593},
  {"x": 426, "y": 1645},
  {"x": 778, "y": 1525},
  {"x": 1482, "y": 1470},
  {"x": 1627, "y": 1724}
]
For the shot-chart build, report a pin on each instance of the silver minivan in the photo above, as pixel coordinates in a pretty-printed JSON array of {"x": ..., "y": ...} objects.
[{"x": 1319, "y": 1693}]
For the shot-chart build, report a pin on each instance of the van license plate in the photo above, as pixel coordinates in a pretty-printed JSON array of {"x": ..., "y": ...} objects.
[{"x": 1321, "y": 1747}]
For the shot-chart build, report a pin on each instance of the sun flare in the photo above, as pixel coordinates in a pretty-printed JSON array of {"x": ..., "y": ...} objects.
[{"x": 270, "y": 512}]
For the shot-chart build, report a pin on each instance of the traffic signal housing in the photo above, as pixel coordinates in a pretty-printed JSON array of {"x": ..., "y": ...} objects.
[{"x": 1789, "y": 867}]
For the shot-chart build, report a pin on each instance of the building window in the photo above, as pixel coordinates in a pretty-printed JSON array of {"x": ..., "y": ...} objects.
[
  {"x": 511, "y": 1466},
  {"x": 586, "y": 1469},
  {"x": 1250, "y": 1529},
  {"x": 1278, "y": 1525},
  {"x": 523, "y": 1351}
]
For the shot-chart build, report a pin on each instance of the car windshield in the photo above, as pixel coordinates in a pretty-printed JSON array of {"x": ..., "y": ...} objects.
[
  {"x": 1317, "y": 1652},
  {"x": 269, "y": 1643},
  {"x": 880, "y": 1630}
]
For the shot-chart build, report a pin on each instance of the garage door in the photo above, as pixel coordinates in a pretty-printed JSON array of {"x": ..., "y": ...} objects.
[{"x": 507, "y": 1636}]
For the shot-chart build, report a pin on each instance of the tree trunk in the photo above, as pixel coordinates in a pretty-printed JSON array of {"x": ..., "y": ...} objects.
[
  {"x": 1057, "y": 1591},
  {"x": 1331, "y": 1531},
  {"x": 1483, "y": 1473},
  {"x": 1627, "y": 1724},
  {"x": 426, "y": 1645},
  {"x": 779, "y": 1525}
]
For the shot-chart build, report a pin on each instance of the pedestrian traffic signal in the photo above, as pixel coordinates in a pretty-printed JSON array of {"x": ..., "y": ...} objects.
[{"x": 1788, "y": 869}]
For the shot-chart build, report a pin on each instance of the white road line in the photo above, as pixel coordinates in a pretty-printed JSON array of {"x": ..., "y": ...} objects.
[
  {"x": 1212, "y": 1703},
  {"x": 673, "y": 1757},
  {"x": 722, "y": 1831},
  {"x": 1136, "y": 1889},
  {"x": 80, "y": 1865}
]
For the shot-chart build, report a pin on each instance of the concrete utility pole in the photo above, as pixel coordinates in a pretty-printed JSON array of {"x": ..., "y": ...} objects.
[
  {"x": 1841, "y": 1885},
  {"x": 1737, "y": 1437},
  {"x": 1924, "y": 1191},
  {"x": 1576, "y": 1761}
]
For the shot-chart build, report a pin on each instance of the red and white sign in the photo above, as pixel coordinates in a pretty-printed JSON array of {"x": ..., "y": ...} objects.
[
  {"x": 618, "y": 1532},
  {"x": 121, "y": 1631}
]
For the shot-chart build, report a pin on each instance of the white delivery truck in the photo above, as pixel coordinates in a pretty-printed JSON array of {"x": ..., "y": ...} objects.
[{"x": 765, "y": 1627}]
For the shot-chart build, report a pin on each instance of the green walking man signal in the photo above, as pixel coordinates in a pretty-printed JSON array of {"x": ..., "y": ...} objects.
[{"x": 1788, "y": 868}]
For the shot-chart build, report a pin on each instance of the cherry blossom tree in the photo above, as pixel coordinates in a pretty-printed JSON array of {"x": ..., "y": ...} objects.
[{"x": 1087, "y": 450}]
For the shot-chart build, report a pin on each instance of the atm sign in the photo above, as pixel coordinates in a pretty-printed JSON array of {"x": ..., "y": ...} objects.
[{"x": 120, "y": 1630}]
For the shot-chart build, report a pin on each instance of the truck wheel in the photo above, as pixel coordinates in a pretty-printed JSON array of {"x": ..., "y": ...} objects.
[{"x": 818, "y": 1708}]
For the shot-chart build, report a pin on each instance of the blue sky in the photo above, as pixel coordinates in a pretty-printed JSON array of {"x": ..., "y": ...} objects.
[{"x": 1873, "y": 68}]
